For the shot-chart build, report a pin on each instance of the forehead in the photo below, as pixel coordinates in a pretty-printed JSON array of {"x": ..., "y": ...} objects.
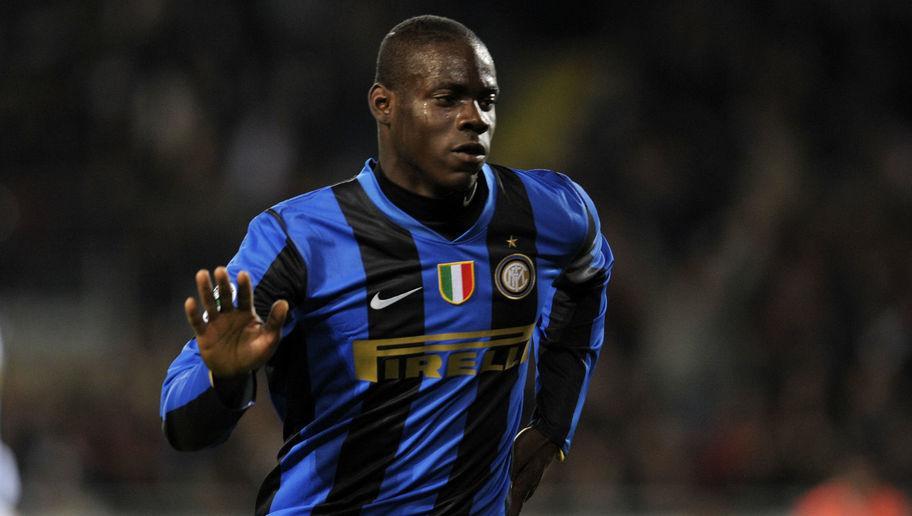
[{"x": 462, "y": 63}]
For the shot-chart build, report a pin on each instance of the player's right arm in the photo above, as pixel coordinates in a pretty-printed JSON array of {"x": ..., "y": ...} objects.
[{"x": 211, "y": 383}]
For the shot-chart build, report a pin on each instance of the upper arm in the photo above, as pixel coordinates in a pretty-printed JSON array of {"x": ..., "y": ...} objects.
[
  {"x": 594, "y": 259},
  {"x": 274, "y": 262}
]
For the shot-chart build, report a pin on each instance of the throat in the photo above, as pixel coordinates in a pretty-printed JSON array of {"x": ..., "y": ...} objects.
[
  {"x": 449, "y": 216},
  {"x": 470, "y": 195}
]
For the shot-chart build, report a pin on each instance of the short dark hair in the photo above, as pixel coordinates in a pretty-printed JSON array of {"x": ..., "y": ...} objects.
[{"x": 403, "y": 39}]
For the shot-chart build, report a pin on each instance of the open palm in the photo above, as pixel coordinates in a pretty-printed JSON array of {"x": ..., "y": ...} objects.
[{"x": 232, "y": 341}]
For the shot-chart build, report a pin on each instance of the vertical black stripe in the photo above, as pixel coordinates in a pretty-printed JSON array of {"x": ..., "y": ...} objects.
[
  {"x": 288, "y": 372},
  {"x": 281, "y": 220},
  {"x": 391, "y": 266},
  {"x": 486, "y": 420},
  {"x": 288, "y": 375},
  {"x": 285, "y": 279}
]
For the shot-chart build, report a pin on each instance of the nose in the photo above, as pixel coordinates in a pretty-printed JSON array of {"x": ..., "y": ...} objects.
[{"x": 472, "y": 118}]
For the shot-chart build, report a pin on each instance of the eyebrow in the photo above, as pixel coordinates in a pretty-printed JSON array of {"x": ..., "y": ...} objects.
[{"x": 461, "y": 88}]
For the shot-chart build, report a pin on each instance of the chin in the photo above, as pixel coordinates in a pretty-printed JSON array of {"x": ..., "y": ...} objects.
[
  {"x": 468, "y": 167},
  {"x": 462, "y": 179}
]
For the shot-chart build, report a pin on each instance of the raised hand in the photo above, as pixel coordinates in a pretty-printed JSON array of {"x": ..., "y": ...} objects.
[{"x": 233, "y": 341}]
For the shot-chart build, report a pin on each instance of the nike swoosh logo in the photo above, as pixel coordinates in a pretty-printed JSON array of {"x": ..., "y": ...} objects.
[{"x": 380, "y": 304}]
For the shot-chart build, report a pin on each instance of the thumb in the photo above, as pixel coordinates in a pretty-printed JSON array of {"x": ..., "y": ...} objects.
[
  {"x": 514, "y": 504},
  {"x": 266, "y": 344}
]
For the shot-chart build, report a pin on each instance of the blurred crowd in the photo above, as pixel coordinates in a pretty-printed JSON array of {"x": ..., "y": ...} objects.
[{"x": 751, "y": 161}]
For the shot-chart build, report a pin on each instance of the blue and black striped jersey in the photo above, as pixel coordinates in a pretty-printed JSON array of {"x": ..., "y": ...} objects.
[{"x": 399, "y": 378}]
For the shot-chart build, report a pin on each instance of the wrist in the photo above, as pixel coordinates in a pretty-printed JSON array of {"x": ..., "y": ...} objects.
[
  {"x": 235, "y": 392},
  {"x": 551, "y": 443}
]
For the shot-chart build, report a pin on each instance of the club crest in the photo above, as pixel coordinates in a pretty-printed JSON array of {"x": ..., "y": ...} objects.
[
  {"x": 515, "y": 276},
  {"x": 456, "y": 281}
]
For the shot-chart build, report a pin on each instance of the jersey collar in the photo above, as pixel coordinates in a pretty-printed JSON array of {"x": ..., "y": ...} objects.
[{"x": 418, "y": 230}]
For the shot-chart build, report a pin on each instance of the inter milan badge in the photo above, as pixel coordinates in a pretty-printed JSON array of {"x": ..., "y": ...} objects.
[
  {"x": 456, "y": 281},
  {"x": 515, "y": 276}
]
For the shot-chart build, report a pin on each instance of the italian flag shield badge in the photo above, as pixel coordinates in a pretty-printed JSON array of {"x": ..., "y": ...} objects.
[{"x": 456, "y": 281}]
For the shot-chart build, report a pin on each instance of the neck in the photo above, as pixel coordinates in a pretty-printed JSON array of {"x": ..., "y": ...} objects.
[
  {"x": 450, "y": 215},
  {"x": 406, "y": 175}
]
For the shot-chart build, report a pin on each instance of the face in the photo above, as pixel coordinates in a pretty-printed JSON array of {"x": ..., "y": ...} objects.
[{"x": 442, "y": 118}]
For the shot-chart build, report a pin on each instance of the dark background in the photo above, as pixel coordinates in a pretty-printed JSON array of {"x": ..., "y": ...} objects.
[{"x": 751, "y": 161}]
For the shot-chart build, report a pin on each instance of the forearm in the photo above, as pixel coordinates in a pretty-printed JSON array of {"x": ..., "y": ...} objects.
[
  {"x": 198, "y": 411},
  {"x": 569, "y": 348}
]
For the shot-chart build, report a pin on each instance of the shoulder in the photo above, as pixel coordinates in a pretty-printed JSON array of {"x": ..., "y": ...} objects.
[
  {"x": 552, "y": 193},
  {"x": 563, "y": 211},
  {"x": 313, "y": 202},
  {"x": 300, "y": 219},
  {"x": 298, "y": 215},
  {"x": 314, "y": 221},
  {"x": 548, "y": 187}
]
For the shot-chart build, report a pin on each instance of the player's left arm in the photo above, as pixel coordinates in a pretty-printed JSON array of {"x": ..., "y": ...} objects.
[{"x": 569, "y": 346}]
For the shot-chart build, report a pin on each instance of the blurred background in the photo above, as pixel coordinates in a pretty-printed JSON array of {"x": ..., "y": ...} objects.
[{"x": 751, "y": 161}]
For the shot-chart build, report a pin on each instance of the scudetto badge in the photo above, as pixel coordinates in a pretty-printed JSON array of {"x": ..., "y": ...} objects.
[
  {"x": 456, "y": 281},
  {"x": 515, "y": 276}
]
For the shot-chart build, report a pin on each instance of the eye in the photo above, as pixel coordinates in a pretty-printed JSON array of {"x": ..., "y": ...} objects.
[
  {"x": 446, "y": 99},
  {"x": 486, "y": 104}
]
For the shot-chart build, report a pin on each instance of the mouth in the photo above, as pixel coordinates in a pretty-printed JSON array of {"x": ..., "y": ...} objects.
[{"x": 471, "y": 151}]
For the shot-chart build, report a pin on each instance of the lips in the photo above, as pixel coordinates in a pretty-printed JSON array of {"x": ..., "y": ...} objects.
[{"x": 472, "y": 149}]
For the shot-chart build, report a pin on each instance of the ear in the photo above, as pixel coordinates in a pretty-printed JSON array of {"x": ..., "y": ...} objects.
[{"x": 381, "y": 100}]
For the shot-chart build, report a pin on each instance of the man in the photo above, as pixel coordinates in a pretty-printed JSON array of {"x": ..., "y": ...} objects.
[{"x": 400, "y": 306}]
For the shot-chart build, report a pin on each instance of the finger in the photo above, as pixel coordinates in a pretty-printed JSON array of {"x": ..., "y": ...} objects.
[
  {"x": 523, "y": 486},
  {"x": 194, "y": 317},
  {"x": 527, "y": 446},
  {"x": 521, "y": 457},
  {"x": 519, "y": 475},
  {"x": 276, "y": 318},
  {"x": 244, "y": 292},
  {"x": 272, "y": 330},
  {"x": 531, "y": 475},
  {"x": 530, "y": 483},
  {"x": 204, "y": 289},
  {"x": 225, "y": 303},
  {"x": 523, "y": 450},
  {"x": 515, "y": 503}
]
